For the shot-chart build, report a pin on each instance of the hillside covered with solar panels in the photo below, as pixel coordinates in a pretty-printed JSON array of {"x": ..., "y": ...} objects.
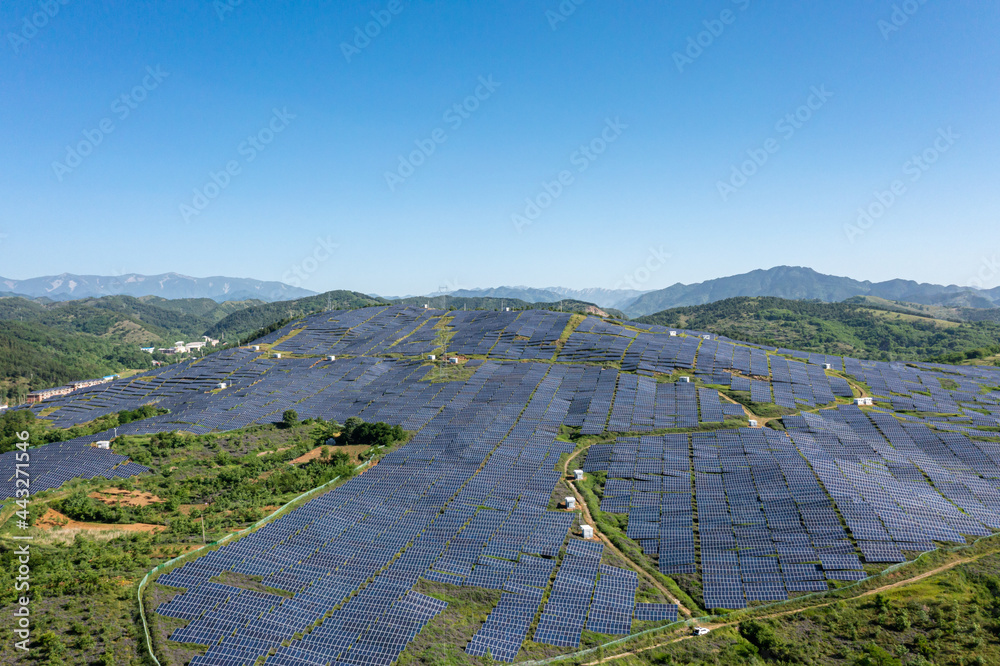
[{"x": 715, "y": 514}]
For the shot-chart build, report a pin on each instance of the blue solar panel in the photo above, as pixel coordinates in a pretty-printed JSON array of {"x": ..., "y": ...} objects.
[{"x": 465, "y": 502}]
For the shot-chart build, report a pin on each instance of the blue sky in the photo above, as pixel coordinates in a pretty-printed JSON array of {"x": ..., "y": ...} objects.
[{"x": 669, "y": 130}]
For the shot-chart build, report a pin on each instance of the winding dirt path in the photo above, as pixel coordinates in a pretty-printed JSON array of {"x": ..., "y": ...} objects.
[
  {"x": 607, "y": 542},
  {"x": 762, "y": 421}
]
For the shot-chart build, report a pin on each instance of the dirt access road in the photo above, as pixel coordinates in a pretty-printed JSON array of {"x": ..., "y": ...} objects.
[{"x": 607, "y": 542}]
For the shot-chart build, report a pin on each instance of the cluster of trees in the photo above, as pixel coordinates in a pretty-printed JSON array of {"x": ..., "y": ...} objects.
[
  {"x": 970, "y": 355},
  {"x": 235, "y": 486},
  {"x": 354, "y": 431},
  {"x": 80, "y": 506},
  {"x": 80, "y": 596},
  {"x": 159, "y": 448},
  {"x": 138, "y": 414},
  {"x": 358, "y": 433},
  {"x": 80, "y": 568}
]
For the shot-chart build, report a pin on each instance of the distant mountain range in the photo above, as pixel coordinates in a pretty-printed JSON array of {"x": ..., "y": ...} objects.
[
  {"x": 67, "y": 287},
  {"x": 797, "y": 283},
  {"x": 605, "y": 298},
  {"x": 788, "y": 282}
]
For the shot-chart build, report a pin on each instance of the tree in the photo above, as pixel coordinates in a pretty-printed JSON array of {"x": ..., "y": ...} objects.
[
  {"x": 358, "y": 433},
  {"x": 290, "y": 418},
  {"x": 350, "y": 425},
  {"x": 877, "y": 656},
  {"x": 760, "y": 635}
]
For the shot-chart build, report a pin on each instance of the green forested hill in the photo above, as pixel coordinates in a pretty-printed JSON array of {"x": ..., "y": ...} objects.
[
  {"x": 122, "y": 317},
  {"x": 856, "y": 329},
  {"x": 45, "y": 343},
  {"x": 205, "y": 308},
  {"x": 249, "y": 321},
  {"x": 34, "y": 356},
  {"x": 936, "y": 311}
]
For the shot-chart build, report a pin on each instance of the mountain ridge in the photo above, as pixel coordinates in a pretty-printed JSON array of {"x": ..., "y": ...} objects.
[
  {"x": 604, "y": 298},
  {"x": 801, "y": 283},
  {"x": 70, "y": 286}
]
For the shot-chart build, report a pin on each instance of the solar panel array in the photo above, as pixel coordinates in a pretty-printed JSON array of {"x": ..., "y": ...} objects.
[
  {"x": 656, "y": 612},
  {"x": 465, "y": 501},
  {"x": 614, "y": 601},
  {"x": 51, "y": 466},
  {"x": 642, "y": 404},
  {"x": 766, "y": 524},
  {"x": 798, "y": 384},
  {"x": 489, "y": 463},
  {"x": 565, "y": 613}
]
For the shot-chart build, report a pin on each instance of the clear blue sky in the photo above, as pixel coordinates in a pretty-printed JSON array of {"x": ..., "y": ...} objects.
[{"x": 655, "y": 187}]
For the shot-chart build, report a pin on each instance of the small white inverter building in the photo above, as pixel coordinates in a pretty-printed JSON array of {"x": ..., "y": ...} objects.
[
  {"x": 588, "y": 531},
  {"x": 578, "y": 473},
  {"x": 570, "y": 503}
]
